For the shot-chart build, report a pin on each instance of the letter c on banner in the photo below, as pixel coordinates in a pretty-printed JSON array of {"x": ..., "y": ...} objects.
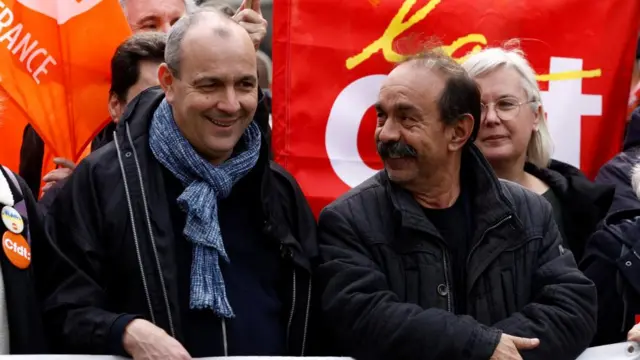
[{"x": 341, "y": 137}]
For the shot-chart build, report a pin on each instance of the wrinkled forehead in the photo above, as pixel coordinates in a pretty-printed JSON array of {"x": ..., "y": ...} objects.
[
  {"x": 137, "y": 10},
  {"x": 414, "y": 84}
]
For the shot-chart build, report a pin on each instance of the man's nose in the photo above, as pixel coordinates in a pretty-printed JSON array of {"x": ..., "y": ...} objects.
[
  {"x": 229, "y": 103},
  {"x": 165, "y": 27},
  {"x": 389, "y": 132}
]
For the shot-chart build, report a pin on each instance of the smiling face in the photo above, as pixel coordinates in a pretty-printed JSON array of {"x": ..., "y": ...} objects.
[
  {"x": 503, "y": 95},
  {"x": 214, "y": 95},
  {"x": 411, "y": 137}
]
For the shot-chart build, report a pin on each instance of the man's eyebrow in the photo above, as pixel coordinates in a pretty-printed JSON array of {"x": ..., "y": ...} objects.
[
  {"x": 147, "y": 18},
  {"x": 206, "y": 79},
  {"x": 252, "y": 78},
  {"x": 405, "y": 107}
]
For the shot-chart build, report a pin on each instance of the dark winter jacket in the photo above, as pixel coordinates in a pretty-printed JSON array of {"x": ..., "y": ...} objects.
[
  {"x": 22, "y": 290},
  {"x": 584, "y": 203},
  {"x": 112, "y": 221},
  {"x": 386, "y": 275},
  {"x": 617, "y": 171}
]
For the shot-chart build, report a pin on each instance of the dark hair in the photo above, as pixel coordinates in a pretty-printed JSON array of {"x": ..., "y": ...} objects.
[
  {"x": 125, "y": 63},
  {"x": 461, "y": 94}
]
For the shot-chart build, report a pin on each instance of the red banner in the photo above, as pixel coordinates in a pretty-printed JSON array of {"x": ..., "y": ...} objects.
[{"x": 330, "y": 57}]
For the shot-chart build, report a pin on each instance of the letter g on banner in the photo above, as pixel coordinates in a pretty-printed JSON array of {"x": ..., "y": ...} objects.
[{"x": 341, "y": 136}]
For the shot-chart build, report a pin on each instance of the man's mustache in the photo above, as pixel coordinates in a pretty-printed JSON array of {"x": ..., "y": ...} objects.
[{"x": 395, "y": 149}]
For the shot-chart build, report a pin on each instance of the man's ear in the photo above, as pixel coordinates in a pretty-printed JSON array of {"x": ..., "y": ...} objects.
[
  {"x": 115, "y": 108},
  {"x": 167, "y": 81},
  {"x": 460, "y": 132}
]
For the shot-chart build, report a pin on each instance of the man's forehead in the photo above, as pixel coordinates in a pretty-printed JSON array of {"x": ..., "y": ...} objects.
[
  {"x": 412, "y": 82},
  {"x": 154, "y": 6},
  {"x": 202, "y": 36}
]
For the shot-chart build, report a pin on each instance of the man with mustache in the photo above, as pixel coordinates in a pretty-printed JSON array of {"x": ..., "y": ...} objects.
[
  {"x": 435, "y": 257},
  {"x": 185, "y": 239}
]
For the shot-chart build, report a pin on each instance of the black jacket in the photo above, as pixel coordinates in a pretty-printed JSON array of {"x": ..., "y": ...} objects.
[
  {"x": 31, "y": 154},
  {"x": 386, "y": 275},
  {"x": 584, "y": 203},
  {"x": 22, "y": 289},
  {"x": 617, "y": 172},
  {"x": 612, "y": 262},
  {"x": 112, "y": 221}
]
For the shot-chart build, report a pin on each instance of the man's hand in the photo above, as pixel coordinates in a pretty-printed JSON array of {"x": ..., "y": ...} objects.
[
  {"x": 508, "y": 347},
  {"x": 250, "y": 18},
  {"x": 66, "y": 168},
  {"x": 634, "y": 334},
  {"x": 145, "y": 341}
]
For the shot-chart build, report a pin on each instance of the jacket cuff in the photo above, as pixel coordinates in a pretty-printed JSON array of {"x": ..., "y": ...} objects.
[
  {"x": 482, "y": 343},
  {"x": 116, "y": 333}
]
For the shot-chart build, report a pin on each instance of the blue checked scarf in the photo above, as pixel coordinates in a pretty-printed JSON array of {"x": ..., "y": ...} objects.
[{"x": 205, "y": 184}]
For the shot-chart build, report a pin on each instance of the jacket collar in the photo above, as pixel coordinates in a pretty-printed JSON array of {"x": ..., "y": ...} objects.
[
  {"x": 573, "y": 188},
  {"x": 490, "y": 203}
]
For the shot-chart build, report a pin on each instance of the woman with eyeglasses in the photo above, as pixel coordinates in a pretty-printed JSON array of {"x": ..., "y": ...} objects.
[{"x": 514, "y": 138}]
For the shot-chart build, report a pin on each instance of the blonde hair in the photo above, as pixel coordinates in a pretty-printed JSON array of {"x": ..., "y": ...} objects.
[{"x": 540, "y": 147}]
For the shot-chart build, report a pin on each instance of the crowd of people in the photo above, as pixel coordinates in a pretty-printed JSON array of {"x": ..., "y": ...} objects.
[{"x": 179, "y": 237}]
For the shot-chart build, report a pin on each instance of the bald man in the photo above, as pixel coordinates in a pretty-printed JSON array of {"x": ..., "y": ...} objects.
[{"x": 185, "y": 239}]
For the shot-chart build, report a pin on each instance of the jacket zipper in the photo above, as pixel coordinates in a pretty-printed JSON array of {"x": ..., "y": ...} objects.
[
  {"x": 225, "y": 344},
  {"x": 293, "y": 306},
  {"x": 446, "y": 278},
  {"x": 133, "y": 228},
  {"x": 153, "y": 241},
  {"x": 477, "y": 244},
  {"x": 294, "y": 298},
  {"x": 306, "y": 317}
]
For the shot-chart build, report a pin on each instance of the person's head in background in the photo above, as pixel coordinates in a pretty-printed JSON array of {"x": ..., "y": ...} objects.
[
  {"x": 220, "y": 5},
  {"x": 265, "y": 70},
  {"x": 265, "y": 73},
  {"x": 134, "y": 68},
  {"x": 513, "y": 128},
  {"x": 153, "y": 15}
]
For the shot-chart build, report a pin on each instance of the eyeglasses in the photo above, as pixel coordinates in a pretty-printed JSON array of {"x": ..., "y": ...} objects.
[{"x": 506, "y": 109}]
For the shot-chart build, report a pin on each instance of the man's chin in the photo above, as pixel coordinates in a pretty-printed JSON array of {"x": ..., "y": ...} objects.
[
  {"x": 399, "y": 164},
  {"x": 400, "y": 170}
]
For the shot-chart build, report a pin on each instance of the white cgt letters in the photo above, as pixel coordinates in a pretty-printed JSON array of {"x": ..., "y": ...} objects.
[{"x": 564, "y": 102}]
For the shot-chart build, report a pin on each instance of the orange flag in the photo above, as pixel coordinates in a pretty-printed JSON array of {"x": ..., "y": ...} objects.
[{"x": 55, "y": 73}]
